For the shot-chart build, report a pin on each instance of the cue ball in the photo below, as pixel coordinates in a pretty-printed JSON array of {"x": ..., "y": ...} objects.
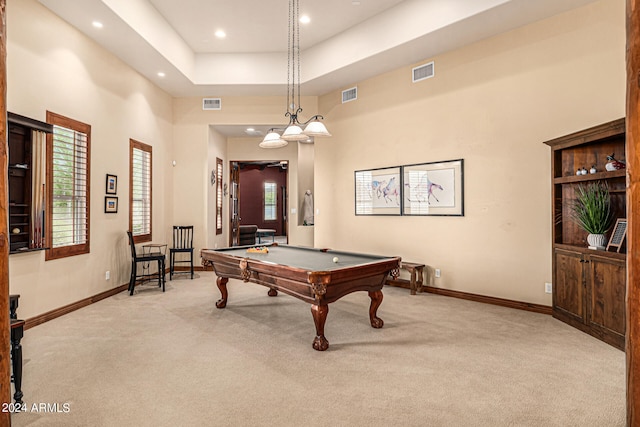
[{"x": 335, "y": 259}]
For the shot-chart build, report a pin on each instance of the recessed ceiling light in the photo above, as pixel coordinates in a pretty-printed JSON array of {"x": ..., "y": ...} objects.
[
  {"x": 355, "y": 3},
  {"x": 250, "y": 129},
  {"x": 305, "y": 19},
  {"x": 220, "y": 34},
  {"x": 97, "y": 24},
  {"x": 161, "y": 74}
]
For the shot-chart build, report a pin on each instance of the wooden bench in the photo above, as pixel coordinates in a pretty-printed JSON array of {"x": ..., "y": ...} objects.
[
  {"x": 265, "y": 232},
  {"x": 417, "y": 277}
]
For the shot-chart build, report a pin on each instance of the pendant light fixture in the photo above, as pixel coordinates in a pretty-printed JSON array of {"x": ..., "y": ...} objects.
[{"x": 279, "y": 137}]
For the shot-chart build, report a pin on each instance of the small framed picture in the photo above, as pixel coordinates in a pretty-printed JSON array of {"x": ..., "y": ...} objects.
[
  {"x": 618, "y": 234},
  {"x": 112, "y": 184},
  {"x": 111, "y": 204}
]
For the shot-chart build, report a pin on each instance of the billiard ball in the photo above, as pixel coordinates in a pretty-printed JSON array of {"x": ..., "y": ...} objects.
[{"x": 335, "y": 259}]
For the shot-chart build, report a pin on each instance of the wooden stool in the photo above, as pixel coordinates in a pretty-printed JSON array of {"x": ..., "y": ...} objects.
[{"x": 417, "y": 277}]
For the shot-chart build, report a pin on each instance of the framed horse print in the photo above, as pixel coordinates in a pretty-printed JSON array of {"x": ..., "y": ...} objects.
[
  {"x": 378, "y": 191},
  {"x": 434, "y": 188}
]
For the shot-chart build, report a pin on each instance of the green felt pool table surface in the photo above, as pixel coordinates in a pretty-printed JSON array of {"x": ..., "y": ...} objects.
[{"x": 311, "y": 259}]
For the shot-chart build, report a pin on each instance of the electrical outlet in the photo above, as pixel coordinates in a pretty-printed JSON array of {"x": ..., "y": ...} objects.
[
  {"x": 437, "y": 272},
  {"x": 548, "y": 288},
  {"x": 107, "y": 275}
]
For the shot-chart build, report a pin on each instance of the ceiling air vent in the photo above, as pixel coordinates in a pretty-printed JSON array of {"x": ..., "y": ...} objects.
[
  {"x": 350, "y": 94},
  {"x": 211, "y": 103},
  {"x": 423, "y": 72}
]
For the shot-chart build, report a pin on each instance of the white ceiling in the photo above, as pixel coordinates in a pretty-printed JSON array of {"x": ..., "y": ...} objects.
[{"x": 345, "y": 42}]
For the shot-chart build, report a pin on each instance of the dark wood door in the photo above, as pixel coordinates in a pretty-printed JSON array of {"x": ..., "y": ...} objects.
[
  {"x": 568, "y": 289},
  {"x": 606, "y": 286}
]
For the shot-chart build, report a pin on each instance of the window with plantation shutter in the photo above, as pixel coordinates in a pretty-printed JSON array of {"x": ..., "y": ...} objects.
[
  {"x": 140, "y": 191},
  {"x": 68, "y": 172}
]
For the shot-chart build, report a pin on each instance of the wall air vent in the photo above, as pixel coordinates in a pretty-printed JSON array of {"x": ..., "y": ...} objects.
[
  {"x": 350, "y": 94},
  {"x": 212, "y": 103},
  {"x": 423, "y": 72}
]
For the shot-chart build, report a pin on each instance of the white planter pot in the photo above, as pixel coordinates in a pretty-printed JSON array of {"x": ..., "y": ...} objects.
[{"x": 596, "y": 241}]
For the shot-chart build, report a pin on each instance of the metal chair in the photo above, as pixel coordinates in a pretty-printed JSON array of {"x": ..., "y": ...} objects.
[
  {"x": 144, "y": 258},
  {"x": 182, "y": 243}
]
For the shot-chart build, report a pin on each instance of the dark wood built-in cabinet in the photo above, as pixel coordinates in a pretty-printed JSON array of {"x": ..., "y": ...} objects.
[
  {"x": 589, "y": 286},
  {"x": 20, "y": 142}
]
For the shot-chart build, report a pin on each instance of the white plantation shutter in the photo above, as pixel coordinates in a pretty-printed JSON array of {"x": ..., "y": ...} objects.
[
  {"x": 140, "y": 191},
  {"x": 69, "y": 187}
]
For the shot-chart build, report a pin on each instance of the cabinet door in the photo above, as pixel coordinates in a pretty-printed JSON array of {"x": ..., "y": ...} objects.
[
  {"x": 568, "y": 287},
  {"x": 606, "y": 283}
]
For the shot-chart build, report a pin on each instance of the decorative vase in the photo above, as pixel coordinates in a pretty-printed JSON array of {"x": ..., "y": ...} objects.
[
  {"x": 596, "y": 241},
  {"x": 613, "y": 164}
]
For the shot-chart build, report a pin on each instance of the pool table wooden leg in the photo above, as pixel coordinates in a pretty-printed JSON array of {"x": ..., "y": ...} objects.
[
  {"x": 376, "y": 300},
  {"x": 319, "y": 313},
  {"x": 222, "y": 285},
  {"x": 272, "y": 292}
]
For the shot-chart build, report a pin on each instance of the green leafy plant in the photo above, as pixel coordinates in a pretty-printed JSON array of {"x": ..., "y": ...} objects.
[{"x": 592, "y": 207}]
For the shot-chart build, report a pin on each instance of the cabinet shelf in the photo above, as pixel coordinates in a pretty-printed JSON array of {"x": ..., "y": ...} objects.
[
  {"x": 590, "y": 177},
  {"x": 586, "y": 250},
  {"x": 26, "y": 250}
]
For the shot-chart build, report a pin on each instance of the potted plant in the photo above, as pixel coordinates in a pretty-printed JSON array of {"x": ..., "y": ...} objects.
[{"x": 592, "y": 211}]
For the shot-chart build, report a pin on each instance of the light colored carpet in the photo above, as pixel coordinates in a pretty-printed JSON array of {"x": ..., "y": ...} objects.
[{"x": 173, "y": 359}]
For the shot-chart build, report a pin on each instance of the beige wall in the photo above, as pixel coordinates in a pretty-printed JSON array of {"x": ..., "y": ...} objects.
[
  {"x": 51, "y": 66},
  {"x": 492, "y": 104},
  {"x": 197, "y": 145}
]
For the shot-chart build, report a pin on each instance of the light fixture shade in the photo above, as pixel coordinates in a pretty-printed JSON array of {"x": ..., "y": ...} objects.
[
  {"x": 316, "y": 128},
  {"x": 273, "y": 140},
  {"x": 293, "y": 133}
]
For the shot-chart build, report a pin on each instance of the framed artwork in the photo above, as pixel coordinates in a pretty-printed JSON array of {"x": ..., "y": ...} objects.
[
  {"x": 112, "y": 184},
  {"x": 111, "y": 204},
  {"x": 618, "y": 234},
  {"x": 434, "y": 188},
  {"x": 378, "y": 191}
]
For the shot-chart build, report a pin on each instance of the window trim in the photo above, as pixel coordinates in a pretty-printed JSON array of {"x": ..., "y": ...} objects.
[
  {"x": 219, "y": 196},
  {"x": 264, "y": 201},
  {"x": 133, "y": 144},
  {"x": 71, "y": 250}
]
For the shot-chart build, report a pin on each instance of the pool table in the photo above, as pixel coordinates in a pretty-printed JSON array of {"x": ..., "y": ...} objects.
[{"x": 317, "y": 276}]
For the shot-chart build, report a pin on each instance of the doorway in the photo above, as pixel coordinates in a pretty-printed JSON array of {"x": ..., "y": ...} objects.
[{"x": 258, "y": 196}]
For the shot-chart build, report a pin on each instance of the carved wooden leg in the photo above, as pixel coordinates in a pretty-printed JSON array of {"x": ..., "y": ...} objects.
[
  {"x": 222, "y": 285},
  {"x": 272, "y": 292},
  {"x": 17, "y": 332},
  {"x": 376, "y": 300},
  {"x": 414, "y": 277},
  {"x": 319, "y": 313}
]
